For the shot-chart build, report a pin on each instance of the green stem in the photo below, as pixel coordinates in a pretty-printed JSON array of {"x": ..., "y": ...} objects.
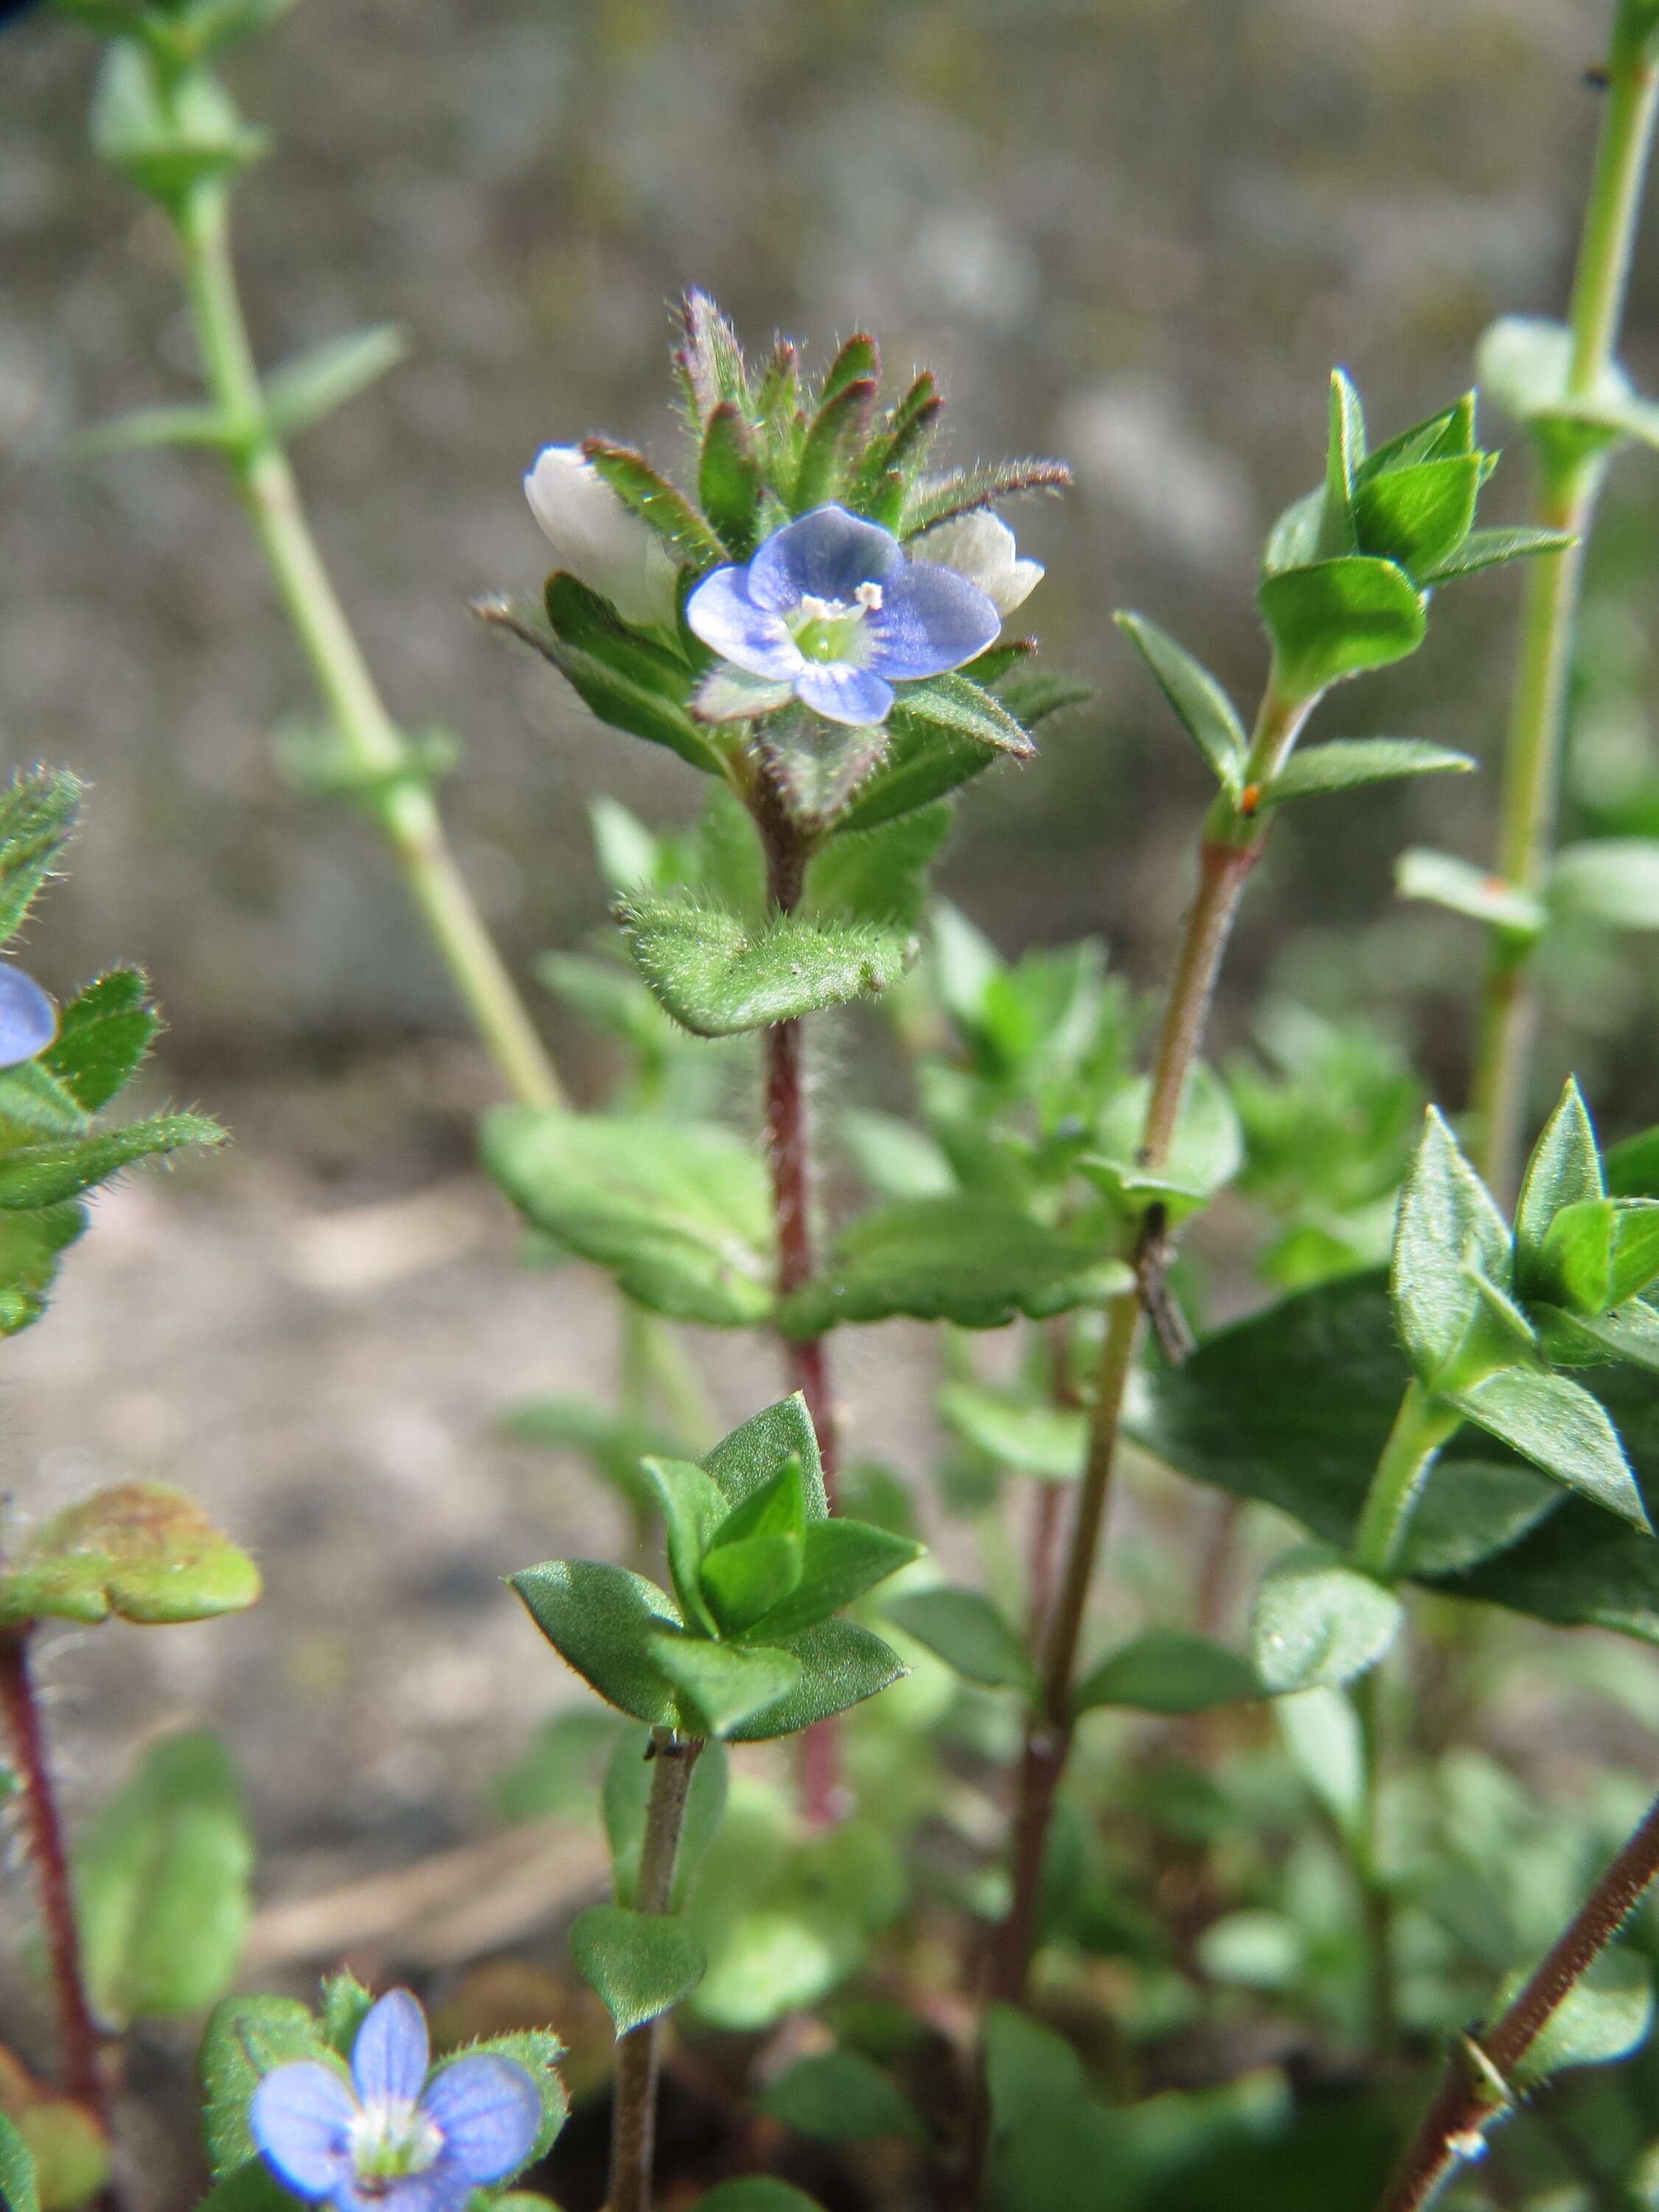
[
  {"x": 634, "y": 2110},
  {"x": 1421, "y": 1427},
  {"x": 1566, "y": 497},
  {"x": 374, "y": 748},
  {"x": 1233, "y": 838}
]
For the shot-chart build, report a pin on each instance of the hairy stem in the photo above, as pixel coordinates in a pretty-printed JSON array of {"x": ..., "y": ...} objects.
[
  {"x": 80, "y": 2038},
  {"x": 634, "y": 2112},
  {"x": 371, "y": 745},
  {"x": 1566, "y": 497},
  {"x": 1472, "y": 2091},
  {"x": 1420, "y": 1429}
]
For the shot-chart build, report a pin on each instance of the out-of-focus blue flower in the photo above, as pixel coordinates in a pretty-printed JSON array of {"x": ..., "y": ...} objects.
[
  {"x": 830, "y": 611},
  {"x": 28, "y": 1019},
  {"x": 391, "y": 2140}
]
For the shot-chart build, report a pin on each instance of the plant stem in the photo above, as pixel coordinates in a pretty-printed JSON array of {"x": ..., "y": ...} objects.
[
  {"x": 372, "y": 746},
  {"x": 1421, "y": 1428},
  {"x": 1470, "y": 2096},
  {"x": 1228, "y": 850},
  {"x": 1566, "y": 497},
  {"x": 1363, "y": 1842},
  {"x": 80, "y": 2038},
  {"x": 633, "y": 2107}
]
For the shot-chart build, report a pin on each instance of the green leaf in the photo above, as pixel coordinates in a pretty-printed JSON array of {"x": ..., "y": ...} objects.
[
  {"x": 1491, "y": 549},
  {"x": 841, "y": 1664},
  {"x": 245, "y": 2038},
  {"x": 922, "y": 761},
  {"x": 1606, "y": 2014},
  {"x": 718, "y": 976},
  {"x": 301, "y": 391},
  {"x": 581, "y": 618},
  {"x": 250, "y": 2187},
  {"x": 1471, "y": 1509},
  {"x": 626, "y": 694},
  {"x": 1631, "y": 1334},
  {"x": 842, "y": 1559},
  {"x": 194, "y": 423},
  {"x": 679, "y": 1211},
  {"x": 46, "y": 1175},
  {"x": 958, "y": 708},
  {"x": 626, "y": 1803},
  {"x": 1334, "y": 619},
  {"x": 604, "y": 1622},
  {"x": 1559, "y": 1427},
  {"x": 1564, "y": 1169},
  {"x": 1447, "y": 434},
  {"x": 1614, "y": 880},
  {"x": 1420, "y": 514},
  {"x": 728, "y": 478},
  {"x": 34, "y": 1104},
  {"x": 719, "y": 1686},
  {"x": 1446, "y": 1218},
  {"x": 104, "y": 1035},
  {"x": 17, "y": 2190},
  {"x": 1165, "y": 1670},
  {"x": 1203, "y": 708},
  {"x": 835, "y": 439},
  {"x": 640, "y": 1963},
  {"x": 1025, "y": 1433},
  {"x": 161, "y": 1885},
  {"x": 1525, "y": 362},
  {"x": 709, "y": 362},
  {"x": 878, "y": 877},
  {"x": 37, "y": 811},
  {"x": 938, "y": 499},
  {"x": 142, "y": 1551},
  {"x": 693, "y": 1506},
  {"x": 165, "y": 137},
  {"x": 754, "y": 1560},
  {"x": 756, "y": 2192},
  {"x": 753, "y": 1456},
  {"x": 1348, "y": 764},
  {"x": 689, "y": 538},
  {"x": 967, "y": 1631},
  {"x": 816, "y": 764},
  {"x": 1319, "y": 1622},
  {"x": 1345, "y": 452},
  {"x": 835, "y": 2096},
  {"x": 1599, "y": 1252},
  {"x": 1207, "y": 1149},
  {"x": 1444, "y": 880},
  {"x": 30, "y": 1245},
  {"x": 1034, "y": 694},
  {"x": 951, "y": 1259},
  {"x": 346, "y": 2005}
]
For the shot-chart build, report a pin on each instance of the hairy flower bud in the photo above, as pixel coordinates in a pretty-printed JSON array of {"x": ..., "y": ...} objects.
[{"x": 597, "y": 540}]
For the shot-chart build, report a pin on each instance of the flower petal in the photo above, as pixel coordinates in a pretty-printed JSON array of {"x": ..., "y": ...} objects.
[
  {"x": 842, "y": 693},
  {"x": 981, "y": 547},
  {"x": 601, "y": 542},
  {"x": 929, "y": 620},
  {"x": 733, "y": 694},
  {"x": 28, "y": 1019},
  {"x": 828, "y": 553},
  {"x": 392, "y": 2053},
  {"x": 301, "y": 2119},
  {"x": 488, "y": 2110},
  {"x": 722, "y": 613}
]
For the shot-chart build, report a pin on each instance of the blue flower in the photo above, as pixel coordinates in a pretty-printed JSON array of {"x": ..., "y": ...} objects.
[
  {"x": 830, "y": 611},
  {"x": 28, "y": 1019},
  {"x": 391, "y": 2140}
]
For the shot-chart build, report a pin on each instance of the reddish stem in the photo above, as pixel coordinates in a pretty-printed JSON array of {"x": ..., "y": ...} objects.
[{"x": 80, "y": 2038}]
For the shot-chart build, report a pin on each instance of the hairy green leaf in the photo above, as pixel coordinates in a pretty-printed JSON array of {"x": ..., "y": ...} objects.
[
  {"x": 1202, "y": 708},
  {"x": 640, "y": 1963},
  {"x": 718, "y": 975},
  {"x": 1349, "y": 763},
  {"x": 1333, "y": 619}
]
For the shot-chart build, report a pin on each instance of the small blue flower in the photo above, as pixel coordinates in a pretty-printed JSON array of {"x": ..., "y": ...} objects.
[
  {"x": 830, "y": 611},
  {"x": 391, "y": 2140},
  {"x": 28, "y": 1019}
]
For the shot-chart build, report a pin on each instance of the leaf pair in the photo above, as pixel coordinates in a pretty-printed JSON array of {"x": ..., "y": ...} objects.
[{"x": 752, "y": 1648}]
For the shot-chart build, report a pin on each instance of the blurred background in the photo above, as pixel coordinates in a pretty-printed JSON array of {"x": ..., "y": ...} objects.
[{"x": 1135, "y": 232}]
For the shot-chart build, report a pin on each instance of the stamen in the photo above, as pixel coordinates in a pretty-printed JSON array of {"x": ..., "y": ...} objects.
[{"x": 869, "y": 597}]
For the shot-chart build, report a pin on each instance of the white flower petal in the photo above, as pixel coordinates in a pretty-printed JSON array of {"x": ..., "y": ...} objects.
[
  {"x": 981, "y": 547},
  {"x": 602, "y": 543}
]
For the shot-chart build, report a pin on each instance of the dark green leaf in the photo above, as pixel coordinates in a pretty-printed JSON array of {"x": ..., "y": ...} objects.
[
  {"x": 841, "y": 1561},
  {"x": 1563, "y": 1170},
  {"x": 1203, "y": 708},
  {"x": 756, "y": 2192},
  {"x": 142, "y": 1551},
  {"x": 841, "y": 1664},
  {"x": 1631, "y": 1334},
  {"x": 689, "y": 538},
  {"x": 838, "y": 2097},
  {"x": 967, "y": 1631},
  {"x": 581, "y": 619},
  {"x": 30, "y": 1245},
  {"x": 103, "y": 1036},
  {"x": 1446, "y": 1218},
  {"x": 1420, "y": 514},
  {"x": 633, "y": 702},
  {"x": 1450, "y": 432},
  {"x": 834, "y": 441},
  {"x": 1347, "y": 763},
  {"x": 301, "y": 391},
  {"x": 250, "y": 2187},
  {"x": 37, "y": 810},
  {"x": 1207, "y": 1151},
  {"x": 1164, "y": 1670},
  {"x": 1444, "y": 880},
  {"x": 1599, "y": 1252},
  {"x": 679, "y": 1211},
  {"x": 1471, "y": 1509},
  {"x": 752, "y": 1457},
  {"x": 1559, "y": 1427},
  {"x": 1337, "y": 618},
  {"x": 47, "y": 1174},
  {"x": 754, "y": 1557},
  {"x": 1345, "y": 452},
  {"x": 34, "y": 1104},
  {"x": 17, "y": 2190},
  {"x": 641, "y": 1964},
  {"x": 693, "y": 1506},
  {"x": 161, "y": 1885},
  {"x": 951, "y": 1259},
  {"x": 958, "y": 706},
  {"x": 719, "y": 1686},
  {"x": 937, "y": 499},
  {"x": 245, "y": 2036},
  {"x": 922, "y": 761},
  {"x": 728, "y": 479},
  {"x": 604, "y": 1622},
  {"x": 1319, "y": 1622},
  {"x": 818, "y": 765},
  {"x": 718, "y": 975}
]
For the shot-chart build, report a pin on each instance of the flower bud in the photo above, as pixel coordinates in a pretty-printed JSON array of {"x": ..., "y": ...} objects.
[
  {"x": 981, "y": 547},
  {"x": 597, "y": 540}
]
